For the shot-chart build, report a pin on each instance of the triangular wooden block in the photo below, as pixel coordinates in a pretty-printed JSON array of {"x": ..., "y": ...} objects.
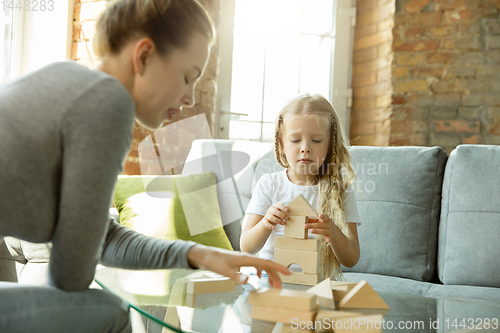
[
  {"x": 342, "y": 288},
  {"x": 324, "y": 295},
  {"x": 363, "y": 297},
  {"x": 301, "y": 207}
]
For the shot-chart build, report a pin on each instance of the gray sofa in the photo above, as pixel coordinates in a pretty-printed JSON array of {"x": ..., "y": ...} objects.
[{"x": 430, "y": 223}]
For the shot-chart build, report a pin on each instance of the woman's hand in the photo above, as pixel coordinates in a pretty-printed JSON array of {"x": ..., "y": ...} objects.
[
  {"x": 228, "y": 263},
  {"x": 323, "y": 226},
  {"x": 276, "y": 214}
]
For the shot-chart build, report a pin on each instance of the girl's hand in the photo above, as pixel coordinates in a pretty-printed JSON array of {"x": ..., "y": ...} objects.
[
  {"x": 276, "y": 214},
  {"x": 228, "y": 263},
  {"x": 323, "y": 226}
]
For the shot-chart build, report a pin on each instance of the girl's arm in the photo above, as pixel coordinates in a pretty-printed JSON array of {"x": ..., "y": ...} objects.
[
  {"x": 346, "y": 251},
  {"x": 254, "y": 234},
  {"x": 257, "y": 228}
]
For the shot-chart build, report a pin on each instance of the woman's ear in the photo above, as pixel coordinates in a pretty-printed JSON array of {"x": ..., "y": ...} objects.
[{"x": 143, "y": 50}]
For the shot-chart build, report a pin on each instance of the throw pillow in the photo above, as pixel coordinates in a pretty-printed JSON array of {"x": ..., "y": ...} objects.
[{"x": 172, "y": 207}]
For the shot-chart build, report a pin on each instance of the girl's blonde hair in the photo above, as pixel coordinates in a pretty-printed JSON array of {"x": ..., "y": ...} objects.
[
  {"x": 334, "y": 176},
  {"x": 169, "y": 23}
]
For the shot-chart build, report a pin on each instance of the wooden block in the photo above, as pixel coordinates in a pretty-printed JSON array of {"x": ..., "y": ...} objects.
[
  {"x": 307, "y": 260},
  {"x": 283, "y": 299},
  {"x": 281, "y": 315},
  {"x": 327, "y": 318},
  {"x": 335, "y": 314},
  {"x": 364, "y": 297},
  {"x": 365, "y": 324},
  {"x": 206, "y": 300},
  {"x": 341, "y": 288},
  {"x": 210, "y": 285},
  {"x": 324, "y": 295},
  {"x": 300, "y": 278},
  {"x": 311, "y": 244},
  {"x": 294, "y": 227},
  {"x": 301, "y": 207},
  {"x": 294, "y": 329}
]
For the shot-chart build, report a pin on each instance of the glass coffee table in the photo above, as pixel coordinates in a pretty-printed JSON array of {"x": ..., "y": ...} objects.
[{"x": 161, "y": 304}]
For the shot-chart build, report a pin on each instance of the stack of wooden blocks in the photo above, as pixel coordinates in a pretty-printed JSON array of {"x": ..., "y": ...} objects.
[
  {"x": 317, "y": 305},
  {"x": 295, "y": 247}
]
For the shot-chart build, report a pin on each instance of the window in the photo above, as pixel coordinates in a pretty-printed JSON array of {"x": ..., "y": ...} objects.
[
  {"x": 24, "y": 46},
  {"x": 6, "y": 38},
  {"x": 274, "y": 50}
]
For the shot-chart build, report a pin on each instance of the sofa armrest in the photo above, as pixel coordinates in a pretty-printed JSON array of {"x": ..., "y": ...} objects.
[{"x": 11, "y": 259}]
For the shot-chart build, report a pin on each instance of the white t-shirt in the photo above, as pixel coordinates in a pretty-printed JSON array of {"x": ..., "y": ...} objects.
[{"x": 276, "y": 187}]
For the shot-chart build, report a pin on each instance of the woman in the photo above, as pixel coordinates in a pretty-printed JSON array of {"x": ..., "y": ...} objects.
[{"x": 65, "y": 131}]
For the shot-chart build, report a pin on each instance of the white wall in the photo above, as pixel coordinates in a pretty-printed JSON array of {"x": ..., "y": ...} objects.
[{"x": 46, "y": 36}]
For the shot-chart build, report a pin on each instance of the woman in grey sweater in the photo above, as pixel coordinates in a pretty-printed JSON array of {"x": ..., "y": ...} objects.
[{"x": 65, "y": 132}]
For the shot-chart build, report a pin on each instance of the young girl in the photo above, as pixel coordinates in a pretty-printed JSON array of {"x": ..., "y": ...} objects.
[
  {"x": 65, "y": 131},
  {"x": 310, "y": 146}
]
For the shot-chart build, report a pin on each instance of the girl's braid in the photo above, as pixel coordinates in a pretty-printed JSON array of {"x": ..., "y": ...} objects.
[
  {"x": 277, "y": 144},
  {"x": 334, "y": 149}
]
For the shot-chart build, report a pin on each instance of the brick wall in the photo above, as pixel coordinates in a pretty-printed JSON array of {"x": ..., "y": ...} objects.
[
  {"x": 84, "y": 17},
  {"x": 372, "y": 85},
  {"x": 445, "y": 73}
]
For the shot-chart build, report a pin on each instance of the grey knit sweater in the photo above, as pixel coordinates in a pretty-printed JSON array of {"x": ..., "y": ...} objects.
[{"x": 65, "y": 131}]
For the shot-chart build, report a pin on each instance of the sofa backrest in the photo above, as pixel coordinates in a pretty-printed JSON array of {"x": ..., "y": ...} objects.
[
  {"x": 470, "y": 218},
  {"x": 399, "y": 201},
  {"x": 236, "y": 175}
]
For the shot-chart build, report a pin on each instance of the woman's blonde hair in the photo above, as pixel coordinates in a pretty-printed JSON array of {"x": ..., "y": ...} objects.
[
  {"x": 169, "y": 23},
  {"x": 334, "y": 175}
]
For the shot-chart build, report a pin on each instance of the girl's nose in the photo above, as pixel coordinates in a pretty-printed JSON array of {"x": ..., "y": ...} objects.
[{"x": 305, "y": 150}]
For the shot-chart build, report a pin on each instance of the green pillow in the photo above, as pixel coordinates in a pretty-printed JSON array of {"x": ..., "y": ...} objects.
[{"x": 162, "y": 206}]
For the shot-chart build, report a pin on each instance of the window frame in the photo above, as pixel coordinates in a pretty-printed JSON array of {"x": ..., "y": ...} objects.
[
  {"x": 340, "y": 76},
  {"x": 29, "y": 27}
]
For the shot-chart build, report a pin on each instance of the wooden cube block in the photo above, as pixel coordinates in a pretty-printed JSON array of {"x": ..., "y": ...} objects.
[
  {"x": 307, "y": 260},
  {"x": 294, "y": 329},
  {"x": 206, "y": 300},
  {"x": 343, "y": 321},
  {"x": 311, "y": 244},
  {"x": 277, "y": 315},
  {"x": 294, "y": 227},
  {"x": 365, "y": 324},
  {"x": 283, "y": 299},
  {"x": 300, "y": 278},
  {"x": 210, "y": 285},
  {"x": 328, "y": 318}
]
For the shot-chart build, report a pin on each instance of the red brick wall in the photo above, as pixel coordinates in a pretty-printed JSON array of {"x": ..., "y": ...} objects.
[
  {"x": 84, "y": 17},
  {"x": 372, "y": 85},
  {"x": 445, "y": 74}
]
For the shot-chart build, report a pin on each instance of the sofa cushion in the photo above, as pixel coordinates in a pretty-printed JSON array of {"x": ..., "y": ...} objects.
[
  {"x": 399, "y": 201},
  {"x": 172, "y": 207},
  {"x": 470, "y": 218}
]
